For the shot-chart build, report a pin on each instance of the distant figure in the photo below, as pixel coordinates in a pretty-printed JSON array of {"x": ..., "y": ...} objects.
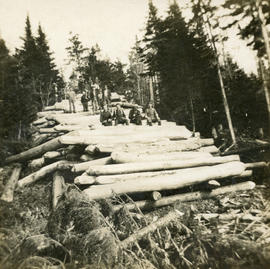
[
  {"x": 152, "y": 115},
  {"x": 71, "y": 98},
  {"x": 106, "y": 97},
  {"x": 120, "y": 116},
  {"x": 84, "y": 101},
  {"x": 106, "y": 116},
  {"x": 135, "y": 115},
  {"x": 95, "y": 92}
]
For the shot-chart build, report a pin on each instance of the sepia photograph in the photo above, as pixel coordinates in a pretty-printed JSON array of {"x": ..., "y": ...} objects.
[{"x": 134, "y": 134}]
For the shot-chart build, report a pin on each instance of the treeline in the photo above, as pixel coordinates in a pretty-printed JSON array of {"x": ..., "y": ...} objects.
[
  {"x": 88, "y": 67},
  {"x": 188, "y": 72},
  {"x": 29, "y": 81}
]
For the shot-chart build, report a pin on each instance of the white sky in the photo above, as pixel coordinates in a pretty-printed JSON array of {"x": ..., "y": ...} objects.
[{"x": 112, "y": 24}]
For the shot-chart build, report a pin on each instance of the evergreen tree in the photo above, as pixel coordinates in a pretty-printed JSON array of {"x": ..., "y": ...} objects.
[{"x": 46, "y": 73}]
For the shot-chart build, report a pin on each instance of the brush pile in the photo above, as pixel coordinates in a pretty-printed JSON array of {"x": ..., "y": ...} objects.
[{"x": 103, "y": 178}]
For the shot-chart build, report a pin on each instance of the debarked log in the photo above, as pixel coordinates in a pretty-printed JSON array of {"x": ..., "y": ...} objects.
[
  {"x": 85, "y": 179},
  {"x": 58, "y": 188},
  {"x": 36, "y": 151},
  {"x": 126, "y": 168},
  {"x": 60, "y": 165},
  {"x": 36, "y": 163},
  {"x": 146, "y": 205},
  {"x": 156, "y": 147},
  {"x": 51, "y": 155},
  {"x": 186, "y": 177},
  {"x": 256, "y": 165},
  {"x": 124, "y": 157},
  {"x": 164, "y": 221},
  {"x": 81, "y": 167},
  {"x": 9, "y": 188}
]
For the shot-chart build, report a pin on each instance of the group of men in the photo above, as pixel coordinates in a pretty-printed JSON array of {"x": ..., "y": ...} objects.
[
  {"x": 97, "y": 97},
  {"x": 135, "y": 116}
]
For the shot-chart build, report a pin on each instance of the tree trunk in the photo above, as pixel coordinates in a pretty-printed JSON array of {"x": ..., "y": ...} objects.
[
  {"x": 43, "y": 172},
  {"x": 58, "y": 188},
  {"x": 36, "y": 151},
  {"x": 225, "y": 101},
  {"x": 266, "y": 90},
  {"x": 127, "y": 168},
  {"x": 147, "y": 205},
  {"x": 81, "y": 167},
  {"x": 184, "y": 178},
  {"x": 8, "y": 191},
  {"x": 164, "y": 221}
]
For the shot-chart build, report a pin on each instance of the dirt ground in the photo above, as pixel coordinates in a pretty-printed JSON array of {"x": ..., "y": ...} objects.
[{"x": 231, "y": 231}]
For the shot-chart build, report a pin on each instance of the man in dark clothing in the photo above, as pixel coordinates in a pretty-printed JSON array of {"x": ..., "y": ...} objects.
[
  {"x": 106, "y": 117},
  {"x": 152, "y": 115},
  {"x": 120, "y": 116},
  {"x": 84, "y": 101},
  {"x": 135, "y": 115}
]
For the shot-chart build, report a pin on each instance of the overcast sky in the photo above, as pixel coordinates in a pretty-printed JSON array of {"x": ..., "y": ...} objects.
[{"x": 112, "y": 24}]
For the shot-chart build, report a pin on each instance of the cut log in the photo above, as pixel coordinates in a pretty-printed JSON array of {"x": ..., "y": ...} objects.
[
  {"x": 164, "y": 221},
  {"x": 51, "y": 155},
  {"x": 36, "y": 164},
  {"x": 36, "y": 151},
  {"x": 86, "y": 158},
  {"x": 256, "y": 165},
  {"x": 157, "y": 166},
  {"x": 123, "y": 157},
  {"x": 91, "y": 150},
  {"x": 79, "y": 140},
  {"x": 40, "y": 121},
  {"x": 84, "y": 179},
  {"x": 247, "y": 173},
  {"x": 158, "y": 147},
  {"x": 43, "y": 172},
  {"x": 146, "y": 205},
  {"x": 8, "y": 191},
  {"x": 81, "y": 167},
  {"x": 155, "y": 195},
  {"x": 47, "y": 130},
  {"x": 184, "y": 178},
  {"x": 58, "y": 188},
  {"x": 42, "y": 138}
]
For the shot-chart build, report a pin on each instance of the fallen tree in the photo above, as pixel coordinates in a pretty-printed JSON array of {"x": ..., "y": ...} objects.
[
  {"x": 10, "y": 186},
  {"x": 157, "y": 166},
  {"x": 186, "y": 177},
  {"x": 147, "y": 205}
]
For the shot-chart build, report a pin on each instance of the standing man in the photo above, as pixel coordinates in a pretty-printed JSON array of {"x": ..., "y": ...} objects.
[
  {"x": 120, "y": 116},
  {"x": 71, "y": 98},
  {"x": 152, "y": 115},
  {"x": 84, "y": 101}
]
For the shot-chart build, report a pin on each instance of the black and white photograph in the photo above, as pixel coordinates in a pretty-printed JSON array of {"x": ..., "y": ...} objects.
[{"x": 134, "y": 134}]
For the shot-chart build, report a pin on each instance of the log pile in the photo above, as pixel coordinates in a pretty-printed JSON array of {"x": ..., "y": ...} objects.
[{"x": 120, "y": 160}]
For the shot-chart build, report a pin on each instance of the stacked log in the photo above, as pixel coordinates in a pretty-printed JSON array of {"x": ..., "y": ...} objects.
[{"x": 121, "y": 160}]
